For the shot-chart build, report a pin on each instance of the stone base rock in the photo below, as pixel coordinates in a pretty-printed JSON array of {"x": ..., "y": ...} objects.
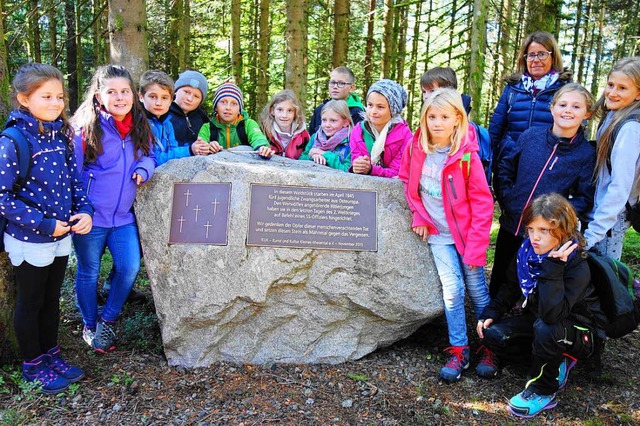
[{"x": 263, "y": 304}]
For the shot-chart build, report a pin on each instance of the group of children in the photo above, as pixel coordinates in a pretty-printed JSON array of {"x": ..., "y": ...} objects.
[{"x": 85, "y": 174}]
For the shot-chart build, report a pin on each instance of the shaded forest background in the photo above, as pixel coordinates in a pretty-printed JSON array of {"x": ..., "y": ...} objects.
[{"x": 267, "y": 45}]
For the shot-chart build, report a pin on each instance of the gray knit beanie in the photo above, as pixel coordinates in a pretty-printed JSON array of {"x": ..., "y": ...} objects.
[
  {"x": 193, "y": 79},
  {"x": 395, "y": 94}
]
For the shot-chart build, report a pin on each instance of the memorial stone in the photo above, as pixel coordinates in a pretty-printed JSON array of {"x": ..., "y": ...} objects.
[{"x": 266, "y": 303}]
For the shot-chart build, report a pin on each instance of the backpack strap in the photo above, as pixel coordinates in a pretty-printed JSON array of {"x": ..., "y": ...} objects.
[
  {"x": 23, "y": 151},
  {"x": 213, "y": 132},
  {"x": 241, "y": 130},
  {"x": 466, "y": 158}
]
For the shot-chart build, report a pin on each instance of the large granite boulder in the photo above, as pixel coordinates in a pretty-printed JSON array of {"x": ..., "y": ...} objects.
[{"x": 260, "y": 304}]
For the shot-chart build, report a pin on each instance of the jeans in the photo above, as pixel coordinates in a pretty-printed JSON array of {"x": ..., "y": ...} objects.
[
  {"x": 455, "y": 276},
  {"x": 124, "y": 246}
]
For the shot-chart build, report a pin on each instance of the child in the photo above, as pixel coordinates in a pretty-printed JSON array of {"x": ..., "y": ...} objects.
[
  {"x": 40, "y": 218},
  {"x": 341, "y": 86},
  {"x": 452, "y": 209},
  {"x": 377, "y": 142},
  {"x": 618, "y": 158},
  {"x": 560, "y": 313},
  {"x": 187, "y": 115},
  {"x": 156, "y": 92},
  {"x": 282, "y": 122},
  {"x": 232, "y": 125},
  {"x": 329, "y": 146},
  {"x": 113, "y": 144},
  {"x": 442, "y": 78},
  {"x": 543, "y": 160}
]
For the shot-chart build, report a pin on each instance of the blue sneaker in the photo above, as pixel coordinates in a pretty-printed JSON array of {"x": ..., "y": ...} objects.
[
  {"x": 568, "y": 362},
  {"x": 38, "y": 370},
  {"x": 458, "y": 362},
  {"x": 527, "y": 403},
  {"x": 488, "y": 365},
  {"x": 62, "y": 367},
  {"x": 104, "y": 337}
]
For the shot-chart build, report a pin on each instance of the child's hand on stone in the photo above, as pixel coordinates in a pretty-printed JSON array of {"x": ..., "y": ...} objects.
[
  {"x": 265, "y": 151},
  {"x": 200, "y": 147},
  {"x": 362, "y": 165},
  {"x": 214, "y": 147}
]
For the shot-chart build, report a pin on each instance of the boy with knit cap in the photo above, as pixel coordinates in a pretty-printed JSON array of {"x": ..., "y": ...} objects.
[
  {"x": 187, "y": 115},
  {"x": 341, "y": 87},
  {"x": 231, "y": 125}
]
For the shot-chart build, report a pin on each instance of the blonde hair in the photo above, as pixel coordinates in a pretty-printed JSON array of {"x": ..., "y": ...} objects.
[
  {"x": 574, "y": 88},
  {"x": 630, "y": 67},
  {"x": 340, "y": 107},
  {"x": 266, "y": 116},
  {"x": 445, "y": 99}
]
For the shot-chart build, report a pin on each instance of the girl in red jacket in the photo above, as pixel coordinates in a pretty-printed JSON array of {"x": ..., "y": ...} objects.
[
  {"x": 282, "y": 122},
  {"x": 452, "y": 208}
]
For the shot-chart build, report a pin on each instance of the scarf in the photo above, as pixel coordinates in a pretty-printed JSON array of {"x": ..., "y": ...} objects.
[
  {"x": 534, "y": 86},
  {"x": 529, "y": 267},
  {"x": 330, "y": 143},
  {"x": 124, "y": 126},
  {"x": 381, "y": 138}
]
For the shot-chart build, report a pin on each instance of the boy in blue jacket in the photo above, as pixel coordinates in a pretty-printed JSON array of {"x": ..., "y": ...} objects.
[{"x": 156, "y": 94}]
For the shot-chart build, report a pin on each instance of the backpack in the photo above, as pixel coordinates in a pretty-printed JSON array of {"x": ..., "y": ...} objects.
[
  {"x": 23, "y": 150},
  {"x": 613, "y": 282},
  {"x": 214, "y": 133},
  {"x": 485, "y": 152}
]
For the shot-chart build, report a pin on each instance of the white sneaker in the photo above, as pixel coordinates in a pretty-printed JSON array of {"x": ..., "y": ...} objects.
[{"x": 88, "y": 336}]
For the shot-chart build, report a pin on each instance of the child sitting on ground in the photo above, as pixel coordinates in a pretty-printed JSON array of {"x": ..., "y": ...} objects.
[
  {"x": 282, "y": 122},
  {"x": 156, "y": 92},
  {"x": 231, "y": 125},
  {"x": 341, "y": 87},
  {"x": 329, "y": 146}
]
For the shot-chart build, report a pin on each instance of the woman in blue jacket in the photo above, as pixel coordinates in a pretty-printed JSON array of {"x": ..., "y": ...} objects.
[{"x": 525, "y": 100}]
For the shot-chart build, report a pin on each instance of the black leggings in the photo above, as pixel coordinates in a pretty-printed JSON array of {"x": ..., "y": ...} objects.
[
  {"x": 38, "y": 306},
  {"x": 507, "y": 246}
]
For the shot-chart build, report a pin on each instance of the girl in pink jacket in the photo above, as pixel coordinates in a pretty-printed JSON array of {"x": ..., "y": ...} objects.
[
  {"x": 377, "y": 142},
  {"x": 452, "y": 207}
]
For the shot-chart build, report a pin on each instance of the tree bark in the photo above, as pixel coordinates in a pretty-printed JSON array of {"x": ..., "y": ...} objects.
[
  {"x": 296, "y": 41},
  {"x": 174, "y": 47},
  {"x": 542, "y": 16},
  {"x": 401, "y": 44},
  {"x": 72, "y": 53},
  {"x": 476, "y": 58},
  {"x": 236, "y": 52},
  {"x": 53, "y": 31},
  {"x": 264, "y": 38},
  {"x": 599, "y": 46},
  {"x": 34, "y": 31},
  {"x": 128, "y": 36},
  {"x": 388, "y": 41},
  {"x": 340, "y": 33},
  {"x": 413, "y": 67},
  {"x": 368, "y": 54}
]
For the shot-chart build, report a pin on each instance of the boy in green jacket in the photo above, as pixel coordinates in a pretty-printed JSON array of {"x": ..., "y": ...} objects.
[{"x": 231, "y": 125}]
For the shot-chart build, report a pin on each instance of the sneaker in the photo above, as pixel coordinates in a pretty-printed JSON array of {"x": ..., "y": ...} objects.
[
  {"x": 459, "y": 361},
  {"x": 568, "y": 362},
  {"x": 38, "y": 370},
  {"x": 528, "y": 403},
  {"x": 104, "y": 337},
  {"x": 88, "y": 336},
  {"x": 62, "y": 367},
  {"x": 488, "y": 365}
]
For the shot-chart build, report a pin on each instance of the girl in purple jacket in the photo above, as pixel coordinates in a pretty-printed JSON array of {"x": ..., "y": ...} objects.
[{"x": 113, "y": 147}]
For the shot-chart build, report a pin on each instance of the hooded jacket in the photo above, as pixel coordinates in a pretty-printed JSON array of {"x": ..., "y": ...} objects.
[
  {"x": 53, "y": 190},
  {"x": 165, "y": 145},
  {"x": 296, "y": 146},
  {"x": 186, "y": 126},
  {"x": 361, "y": 141},
  {"x": 356, "y": 108},
  {"x": 108, "y": 181},
  {"x": 541, "y": 163},
  {"x": 468, "y": 203},
  {"x": 228, "y": 133}
]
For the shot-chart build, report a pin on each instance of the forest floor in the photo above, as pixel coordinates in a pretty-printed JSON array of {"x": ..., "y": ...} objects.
[{"x": 397, "y": 385}]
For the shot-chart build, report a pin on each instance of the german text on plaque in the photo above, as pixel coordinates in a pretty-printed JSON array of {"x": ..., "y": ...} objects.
[
  {"x": 304, "y": 217},
  {"x": 200, "y": 213}
]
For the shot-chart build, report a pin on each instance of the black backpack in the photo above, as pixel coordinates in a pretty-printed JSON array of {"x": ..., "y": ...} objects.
[
  {"x": 214, "y": 133},
  {"x": 613, "y": 282},
  {"x": 23, "y": 151}
]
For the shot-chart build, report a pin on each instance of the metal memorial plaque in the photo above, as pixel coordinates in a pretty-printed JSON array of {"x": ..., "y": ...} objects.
[
  {"x": 200, "y": 213},
  {"x": 304, "y": 217}
]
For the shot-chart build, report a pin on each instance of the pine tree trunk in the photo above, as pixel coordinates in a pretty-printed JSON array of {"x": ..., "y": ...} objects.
[
  {"x": 174, "y": 47},
  {"x": 296, "y": 39},
  {"x": 368, "y": 54},
  {"x": 236, "y": 52},
  {"x": 252, "y": 59},
  {"x": 581, "y": 59},
  {"x": 34, "y": 26},
  {"x": 263, "y": 54},
  {"x": 402, "y": 44},
  {"x": 185, "y": 37},
  {"x": 413, "y": 67},
  {"x": 79, "y": 52},
  {"x": 576, "y": 35},
  {"x": 388, "y": 41},
  {"x": 340, "y": 33},
  {"x": 53, "y": 31},
  {"x": 542, "y": 15},
  {"x": 476, "y": 59},
  {"x": 128, "y": 35},
  {"x": 72, "y": 53},
  {"x": 452, "y": 28},
  {"x": 599, "y": 46}
]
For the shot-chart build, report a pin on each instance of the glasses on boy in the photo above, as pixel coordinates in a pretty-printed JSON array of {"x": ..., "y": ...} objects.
[
  {"x": 339, "y": 84},
  {"x": 530, "y": 57}
]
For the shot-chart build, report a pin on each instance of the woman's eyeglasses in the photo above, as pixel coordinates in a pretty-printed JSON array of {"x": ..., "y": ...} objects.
[{"x": 530, "y": 57}]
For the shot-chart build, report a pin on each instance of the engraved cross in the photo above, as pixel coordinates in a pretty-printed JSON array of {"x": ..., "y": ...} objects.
[
  {"x": 207, "y": 226},
  {"x": 197, "y": 210},
  {"x": 187, "y": 194},
  {"x": 182, "y": 220},
  {"x": 215, "y": 203}
]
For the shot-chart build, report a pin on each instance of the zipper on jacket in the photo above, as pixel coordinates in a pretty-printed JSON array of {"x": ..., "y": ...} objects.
[
  {"x": 535, "y": 185},
  {"x": 89, "y": 183},
  {"x": 124, "y": 177},
  {"x": 455, "y": 219},
  {"x": 533, "y": 108}
]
